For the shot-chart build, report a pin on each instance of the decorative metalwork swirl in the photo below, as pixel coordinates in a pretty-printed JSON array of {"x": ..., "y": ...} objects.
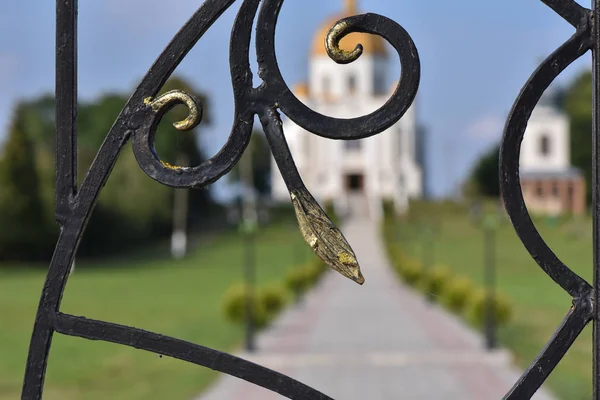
[
  {"x": 581, "y": 312},
  {"x": 139, "y": 119}
]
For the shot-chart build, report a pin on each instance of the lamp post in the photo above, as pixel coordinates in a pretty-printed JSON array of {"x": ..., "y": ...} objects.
[
  {"x": 475, "y": 212},
  {"x": 299, "y": 250},
  {"x": 490, "y": 224},
  {"x": 180, "y": 215},
  {"x": 249, "y": 230},
  {"x": 249, "y": 226}
]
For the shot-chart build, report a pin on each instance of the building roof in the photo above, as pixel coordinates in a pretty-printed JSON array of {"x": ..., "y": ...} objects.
[
  {"x": 568, "y": 173},
  {"x": 372, "y": 44}
]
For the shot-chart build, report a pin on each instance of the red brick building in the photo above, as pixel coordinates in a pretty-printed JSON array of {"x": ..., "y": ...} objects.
[
  {"x": 550, "y": 184},
  {"x": 553, "y": 193}
]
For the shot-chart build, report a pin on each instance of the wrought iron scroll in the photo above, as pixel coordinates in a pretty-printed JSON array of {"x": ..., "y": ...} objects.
[
  {"x": 138, "y": 121},
  {"x": 585, "y": 303}
]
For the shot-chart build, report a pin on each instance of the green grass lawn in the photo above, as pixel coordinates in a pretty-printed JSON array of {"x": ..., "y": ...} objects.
[
  {"x": 148, "y": 291},
  {"x": 539, "y": 304}
]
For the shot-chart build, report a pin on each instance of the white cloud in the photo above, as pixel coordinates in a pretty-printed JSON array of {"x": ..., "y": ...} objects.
[{"x": 486, "y": 127}]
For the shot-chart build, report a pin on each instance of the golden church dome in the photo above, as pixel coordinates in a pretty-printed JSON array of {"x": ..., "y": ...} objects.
[
  {"x": 372, "y": 44},
  {"x": 301, "y": 89}
]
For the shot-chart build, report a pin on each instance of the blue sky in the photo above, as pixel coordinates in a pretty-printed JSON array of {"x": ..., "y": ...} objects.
[{"x": 475, "y": 56}]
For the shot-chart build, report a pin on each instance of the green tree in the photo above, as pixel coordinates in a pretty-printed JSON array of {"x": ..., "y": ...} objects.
[
  {"x": 132, "y": 207},
  {"x": 25, "y": 232},
  {"x": 578, "y": 106},
  {"x": 38, "y": 120},
  {"x": 485, "y": 177}
]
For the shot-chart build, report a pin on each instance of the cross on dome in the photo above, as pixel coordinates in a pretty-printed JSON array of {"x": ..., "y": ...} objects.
[
  {"x": 351, "y": 6},
  {"x": 372, "y": 44}
]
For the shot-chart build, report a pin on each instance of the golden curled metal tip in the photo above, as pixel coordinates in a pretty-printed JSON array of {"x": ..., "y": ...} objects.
[
  {"x": 332, "y": 45},
  {"x": 172, "y": 98}
]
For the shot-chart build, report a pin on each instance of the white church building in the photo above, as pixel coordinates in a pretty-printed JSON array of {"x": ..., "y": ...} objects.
[
  {"x": 385, "y": 167},
  {"x": 550, "y": 184}
]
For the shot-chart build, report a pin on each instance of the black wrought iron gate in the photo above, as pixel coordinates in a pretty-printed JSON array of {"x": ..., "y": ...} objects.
[{"x": 142, "y": 113}]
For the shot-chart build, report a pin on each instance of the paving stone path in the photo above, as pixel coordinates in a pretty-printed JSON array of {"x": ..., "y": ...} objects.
[{"x": 378, "y": 341}]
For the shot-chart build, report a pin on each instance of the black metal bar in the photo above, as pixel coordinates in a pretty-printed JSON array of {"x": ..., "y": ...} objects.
[
  {"x": 66, "y": 180},
  {"x": 336, "y": 128},
  {"x": 582, "y": 292},
  {"x": 553, "y": 352},
  {"x": 66, "y": 106},
  {"x": 510, "y": 150},
  {"x": 595, "y": 194},
  {"x": 572, "y": 12},
  {"x": 98, "y": 330},
  {"x": 490, "y": 280}
]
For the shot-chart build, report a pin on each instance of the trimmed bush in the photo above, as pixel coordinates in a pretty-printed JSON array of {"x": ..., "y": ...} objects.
[
  {"x": 478, "y": 307},
  {"x": 435, "y": 280},
  {"x": 273, "y": 298},
  {"x": 457, "y": 294},
  {"x": 395, "y": 253},
  {"x": 233, "y": 303},
  {"x": 329, "y": 209},
  {"x": 312, "y": 275},
  {"x": 297, "y": 280},
  {"x": 234, "y": 306},
  {"x": 314, "y": 270},
  {"x": 260, "y": 315},
  {"x": 319, "y": 265},
  {"x": 412, "y": 273},
  {"x": 399, "y": 262}
]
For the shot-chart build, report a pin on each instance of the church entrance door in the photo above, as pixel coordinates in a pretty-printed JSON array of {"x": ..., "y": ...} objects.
[{"x": 355, "y": 182}]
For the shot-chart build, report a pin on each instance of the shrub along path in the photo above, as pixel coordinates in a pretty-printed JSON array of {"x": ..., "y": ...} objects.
[{"x": 379, "y": 341}]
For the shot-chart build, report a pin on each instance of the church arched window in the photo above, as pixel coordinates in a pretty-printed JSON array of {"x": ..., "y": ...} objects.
[
  {"x": 352, "y": 145},
  {"x": 555, "y": 189},
  {"x": 400, "y": 137},
  {"x": 306, "y": 144},
  {"x": 545, "y": 147},
  {"x": 378, "y": 83},
  {"x": 352, "y": 83},
  {"x": 326, "y": 85}
]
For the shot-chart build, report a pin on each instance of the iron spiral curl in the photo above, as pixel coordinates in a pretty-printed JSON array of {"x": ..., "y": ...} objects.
[{"x": 138, "y": 121}]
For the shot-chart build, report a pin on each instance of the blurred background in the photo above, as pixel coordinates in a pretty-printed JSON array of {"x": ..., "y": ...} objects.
[{"x": 183, "y": 262}]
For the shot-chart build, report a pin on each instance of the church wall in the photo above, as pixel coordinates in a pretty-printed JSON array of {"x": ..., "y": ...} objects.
[
  {"x": 322, "y": 163},
  {"x": 553, "y": 126},
  {"x": 387, "y": 148},
  {"x": 330, "y": 81},
  {"x": 407, "y": 127},
  {"x": 412, "y": 177}
]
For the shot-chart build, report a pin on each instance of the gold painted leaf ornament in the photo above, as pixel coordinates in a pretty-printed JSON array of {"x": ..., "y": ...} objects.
[{"x": 324, "y": 237}]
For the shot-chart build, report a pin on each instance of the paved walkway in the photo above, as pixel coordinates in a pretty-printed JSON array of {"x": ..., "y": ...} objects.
[{"x": 378, "y": 341}]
